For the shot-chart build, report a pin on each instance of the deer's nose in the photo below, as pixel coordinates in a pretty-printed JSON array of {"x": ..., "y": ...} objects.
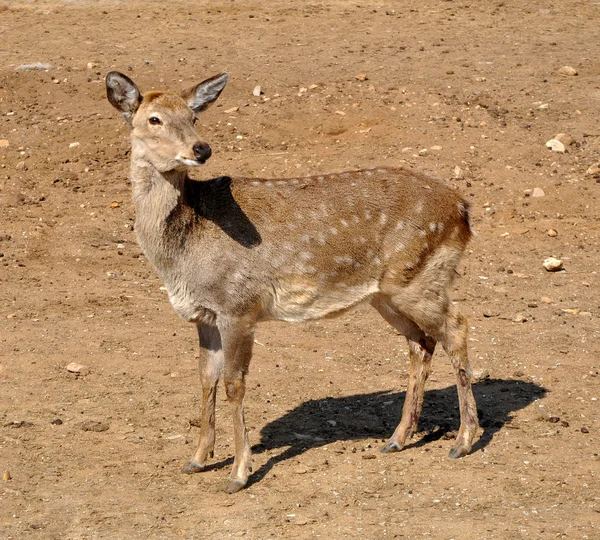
[{"x": 202, "y": 152}]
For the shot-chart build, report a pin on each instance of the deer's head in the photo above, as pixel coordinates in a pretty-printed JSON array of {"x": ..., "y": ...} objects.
[{"x": 162, "y": 123}]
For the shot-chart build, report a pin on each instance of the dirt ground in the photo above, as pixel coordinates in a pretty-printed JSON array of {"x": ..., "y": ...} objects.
[{"x": 469, "y": 92}]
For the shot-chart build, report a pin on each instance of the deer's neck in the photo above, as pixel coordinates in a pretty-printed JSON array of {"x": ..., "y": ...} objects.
[{"x": 157, "y": 197}]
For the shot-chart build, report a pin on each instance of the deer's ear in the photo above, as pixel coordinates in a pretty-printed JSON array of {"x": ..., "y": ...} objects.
[
  {"x": 201, "y": 96},
  {"x": 123, "y": 94}
]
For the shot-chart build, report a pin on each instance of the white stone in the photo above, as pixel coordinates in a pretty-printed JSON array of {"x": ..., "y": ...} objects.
[
  {"x": 568, "y": 71},
  {"x": 556, "y": 146},
  {"x": 553, "y": 265},
  {"x": 74, "y": 367}
]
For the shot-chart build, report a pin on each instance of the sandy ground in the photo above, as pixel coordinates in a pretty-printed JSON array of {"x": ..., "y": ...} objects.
[{"x": 468, "y": 92}]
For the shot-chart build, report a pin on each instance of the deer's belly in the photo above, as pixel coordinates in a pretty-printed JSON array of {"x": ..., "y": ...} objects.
[{"x": 299, "y": 301}]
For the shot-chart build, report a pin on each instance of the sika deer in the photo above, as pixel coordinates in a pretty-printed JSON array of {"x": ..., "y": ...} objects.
[{"x": 234, "y": 252}]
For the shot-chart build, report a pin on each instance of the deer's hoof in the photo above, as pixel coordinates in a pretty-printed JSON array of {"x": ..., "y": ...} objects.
[
  {"x": 391, "y": 446},
  {"x": 233, "y": 486},
  {"x": 191, "y": 467},
  {"x": 458, "y": 451}
]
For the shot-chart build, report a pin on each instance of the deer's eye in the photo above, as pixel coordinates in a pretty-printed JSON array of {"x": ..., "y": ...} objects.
[{"x": 155, "y": 120}]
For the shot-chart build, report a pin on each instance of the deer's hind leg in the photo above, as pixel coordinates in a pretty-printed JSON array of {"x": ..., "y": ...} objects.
[
  {"x": 211, "y": 366},
  {"x": 421, "y": 349},
  {"x": 455, "y": 345}
]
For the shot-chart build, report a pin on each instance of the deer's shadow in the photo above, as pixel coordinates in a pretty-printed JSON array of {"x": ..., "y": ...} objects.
[{"x": 320, "y": 422}]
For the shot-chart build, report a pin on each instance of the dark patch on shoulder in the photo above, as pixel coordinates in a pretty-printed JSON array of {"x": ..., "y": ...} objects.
[{"x": 212, "y": 200}]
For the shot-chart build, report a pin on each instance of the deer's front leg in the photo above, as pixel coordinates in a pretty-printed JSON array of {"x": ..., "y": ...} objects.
[
  {"x": 211, "y": 366},
  {"x": 238, "y": 338}
]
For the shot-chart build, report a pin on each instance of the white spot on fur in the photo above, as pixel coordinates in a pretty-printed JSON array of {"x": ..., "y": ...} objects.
[
  {"x": 321, "y": 179},
  {"x": 321, "y": 238},
  {"x": 344, "y": 259},
  {"x": 368, "y": 215},
  {"x": 432, "y": 227},
  {"x": 344, "y": 223},
  {"x": 256, "y": 183},
  {"x": 383, "y": 219},
  {"x": 269, "y": 184},
  {"x": 306, "y": 256},
  {"x": 369, "y": 173},
  {"x": 356, "y": 219},
  {"x": 400, "y": 225},
  {"x": 305, "y": 238},
  {"x": 333, "y": 231},
  {"x": 400, "y": 247},
  {"x": 377, "y": 261},
  {"x": 362, "y": 239}
]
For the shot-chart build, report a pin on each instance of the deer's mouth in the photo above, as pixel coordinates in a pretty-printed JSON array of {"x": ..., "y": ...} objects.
[{"x": 190, "y": 162}]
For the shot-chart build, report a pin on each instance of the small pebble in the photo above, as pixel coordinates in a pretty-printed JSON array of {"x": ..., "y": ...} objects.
[
  {"x": 552, "y": 233},
  {"x": 6, "y": 476},
  {"x": 257, "y": 91},
  {"x": 564, "y": 138},
  {"x": 362, "y": 77},
  {"x": 74, "y": 367},
  {"x": 74, "y": 145},
  {"x": 568, "y": 71},
  {"x": 556, "y": 146},
  {"x": 585, "y": 430},
  {"x": 594, "y": 170},
  {"x": 92, "y": 425},
  {"x": 538, "y": 192},
  {"x": 233, "y": 109},
  {"x": 57, "y": 422},
  {"x": 553, "y": 265},
  {"x": 4, "y": 143},
  {"x": 480, "y": 375}
]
